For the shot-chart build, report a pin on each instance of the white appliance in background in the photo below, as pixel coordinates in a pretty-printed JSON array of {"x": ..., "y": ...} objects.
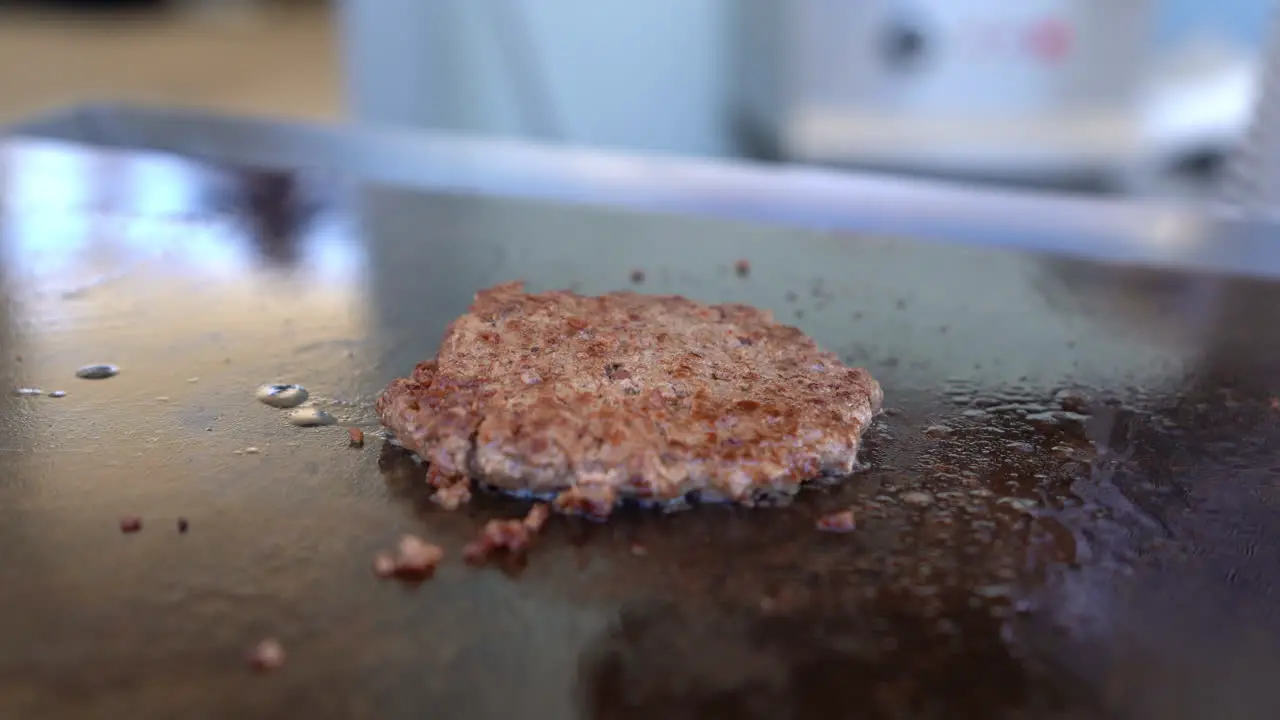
[
  {"x": 641, "y": 76},
  {"x": 1034, "y": 91},
  {"x": 1040, "y": 91}
]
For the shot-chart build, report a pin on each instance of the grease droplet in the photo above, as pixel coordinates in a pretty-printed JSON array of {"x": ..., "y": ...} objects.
[
  {"x": 311, "y": 417},
  {"x": 282, "y": 395},
  {"x": 97, "y": 372}
]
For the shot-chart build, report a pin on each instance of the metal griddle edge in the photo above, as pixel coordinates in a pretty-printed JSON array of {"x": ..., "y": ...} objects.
[{"x": 1067, "y": 510}]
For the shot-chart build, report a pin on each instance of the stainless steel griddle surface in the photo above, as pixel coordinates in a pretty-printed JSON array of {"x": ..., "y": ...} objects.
[{"x": 1069, "y": 510}]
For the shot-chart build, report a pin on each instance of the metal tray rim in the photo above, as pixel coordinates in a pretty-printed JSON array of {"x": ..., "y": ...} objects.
[{"x": 1147, "y": 233}]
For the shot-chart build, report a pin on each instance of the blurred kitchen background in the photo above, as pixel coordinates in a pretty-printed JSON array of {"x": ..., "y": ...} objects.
[{"x": 1142, "y": 97}]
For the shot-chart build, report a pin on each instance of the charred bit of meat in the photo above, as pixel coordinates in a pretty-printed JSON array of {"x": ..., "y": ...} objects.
[
  {"x": 415, "y": 559},
  {"x": 355, "y": 437},
  {"x": 513, "y": 536},
  {"x": 451, "y": 497},
  {"x": 591, "y": 501},
  {"x": 536, "y": 518}
]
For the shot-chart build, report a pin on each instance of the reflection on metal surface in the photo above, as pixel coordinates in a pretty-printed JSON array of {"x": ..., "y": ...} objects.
[
  {"x": 272, "y": 206},
  {"x": 884, "y": 661},
  {"x": 1099, "y": 489},
  {"x": 157, "y": 204}
]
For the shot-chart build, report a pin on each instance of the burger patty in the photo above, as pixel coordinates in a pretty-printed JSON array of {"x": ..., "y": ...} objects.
[{"x": 652, "y": 397}]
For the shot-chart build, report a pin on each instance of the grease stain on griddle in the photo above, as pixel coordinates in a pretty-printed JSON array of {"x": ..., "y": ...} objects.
[
  {"x": 100, "y": 371},
  {"x": 282, "y": 396},
  {"x": 311, "y": 417}
]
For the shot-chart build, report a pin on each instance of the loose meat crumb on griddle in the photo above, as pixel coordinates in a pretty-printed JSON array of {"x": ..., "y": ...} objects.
[
  {"x": 537, "y": 517},
  {"x": 183, "y": 525},
  {"x": 130, "y": 524},
  {"x": 416, "y": 558},
  {"x": 355, "y": 437},
  {"x": 452, "y": 491},
  {"x": 656, "y": 398},
  {"x": 452, "y": 497},
  {"x": 513, "y": 536},
  {"x": 637, "y": 277},
  {"x": 742, "y": 267},
  {"x": 592, "y": 501},
  {"x": 837, "y": 522},
  {"x": 267, "y": 655}
]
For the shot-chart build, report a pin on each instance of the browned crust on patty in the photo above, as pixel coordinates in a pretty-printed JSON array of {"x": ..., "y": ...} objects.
[{"x": 634, "y": 395}]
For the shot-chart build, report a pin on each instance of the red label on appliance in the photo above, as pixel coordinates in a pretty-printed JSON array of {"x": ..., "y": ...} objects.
[{"x": 1050, "y": 40}]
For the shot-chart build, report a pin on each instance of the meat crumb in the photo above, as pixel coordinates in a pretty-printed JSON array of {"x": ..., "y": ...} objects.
[
  {"x": 839, "y": 522},
  {"x": 451, "y": 497},
  {"x": 513, "y": 536},
  {"x": 356, "y": 437},
  {"x": 438, "y": 479},
  {"x": 593, "y": 501},
  {"x": 267, "y": 655},
  {"x": 130, "y": 524},
  {"x": 417, "y": 558},
  {"x": 509, "y": 535},
  {"x": 183, "y": 525},
  {"x": 637, "y": 277},
  {"x": 384, "y": 565},
  {"x": 537, "y": 517},
  {"x": 742, "y": 267}
]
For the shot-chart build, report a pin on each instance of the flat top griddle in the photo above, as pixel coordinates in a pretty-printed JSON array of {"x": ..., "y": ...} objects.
[{"x": 1067, "y": 510}]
